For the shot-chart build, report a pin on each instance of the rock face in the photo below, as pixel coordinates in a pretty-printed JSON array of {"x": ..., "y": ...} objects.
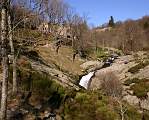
[
  {"x": 59, "y": 76},
  {"x": 91, "y": 64},
  {"x": 144, "y": 104},
  {"x": 1, "y": 77},
  {"x": 132, "y": 100}
]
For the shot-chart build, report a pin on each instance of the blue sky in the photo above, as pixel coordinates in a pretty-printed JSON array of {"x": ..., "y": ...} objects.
[{"x": 99, "y": 11}]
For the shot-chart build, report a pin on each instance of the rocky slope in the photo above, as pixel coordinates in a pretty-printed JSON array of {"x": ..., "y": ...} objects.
[{"x": 122, "y": 68}]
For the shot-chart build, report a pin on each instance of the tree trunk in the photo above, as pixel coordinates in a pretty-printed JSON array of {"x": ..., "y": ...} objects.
[
  {"x": 14, "y": 87},
  {"x": 4, "y": 33}
]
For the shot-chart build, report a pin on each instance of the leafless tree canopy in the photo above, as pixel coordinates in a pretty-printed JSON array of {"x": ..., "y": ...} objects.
[{"x": 111, "y": 85}]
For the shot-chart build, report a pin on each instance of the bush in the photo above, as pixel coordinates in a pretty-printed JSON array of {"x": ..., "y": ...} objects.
[
  {"x": 134, "y": 80},
  {"x": 132, "y": 114},
  {"x": 146, "y": 115},
  {"x": 92, "y": 105},
  {"x": 136, "y": 68},
  {"x": 104, "y": 113},
  {"x": 140, "y": 89},
  {"x": 87, "y": 105},
  {"x": 100, "y": 53},
  {"x": 130, "y": 81}
]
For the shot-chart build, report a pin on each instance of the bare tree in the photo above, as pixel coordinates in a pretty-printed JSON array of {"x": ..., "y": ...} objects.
[
  {"x": 10, "y": 34},
  {"x": 112, "y": 87},
  {"x": 4, "y": 39}
]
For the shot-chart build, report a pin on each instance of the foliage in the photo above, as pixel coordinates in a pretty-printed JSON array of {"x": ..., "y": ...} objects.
[
  {"x": 100, "y": 53},
  {"x": 130, "y": 81},
  {"x": 139, "y": 66},
  {"x": 89, "y": 106},
  {"x": 92, "y": 105},
  {"x": 40, "y": 84},
  {"x": 134, "y": 80},
  {"x": 140, "y": 89},
  {"x": 146, "y": 115},
  {"x": 111, "y": 22},
  {"x": 132, "y": 114}
]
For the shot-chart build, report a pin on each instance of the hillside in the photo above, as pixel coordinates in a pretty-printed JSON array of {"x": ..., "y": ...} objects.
[
  {"x": 60, "y": 68},
  {"x": 129, "y": 35},
  {"x": 55, "y": 65}
]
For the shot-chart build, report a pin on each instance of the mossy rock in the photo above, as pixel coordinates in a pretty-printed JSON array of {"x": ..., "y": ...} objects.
[
  {"x": 140, "y": 89},
  {"x": 139, "y": 66},
  {"x": 135, "y": 80}
]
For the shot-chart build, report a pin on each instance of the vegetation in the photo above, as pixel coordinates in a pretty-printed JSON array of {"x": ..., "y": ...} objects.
[
  {"x": 92, "y": 105},
  {"x": 140, "y": 89},
  {"x": 29, "y": 24},
  {"x": 139, "y": 66},
  {"x": 100, "y": 53},
  {"x": 140, "y": 86},
  {"x": 135, "y": 80}
]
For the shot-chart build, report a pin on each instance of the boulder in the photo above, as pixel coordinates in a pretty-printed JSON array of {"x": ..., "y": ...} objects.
[
  {"x": 90, "y": 64},
  {"x": 132, "y": 100},
  {"x": 144, "y": 104}
]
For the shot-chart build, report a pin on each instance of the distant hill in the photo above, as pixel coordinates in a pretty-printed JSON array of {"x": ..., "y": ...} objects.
[{"x": 130, "y": 35}]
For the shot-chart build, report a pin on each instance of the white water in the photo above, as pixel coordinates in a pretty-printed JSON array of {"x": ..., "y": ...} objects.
[{"x": 84, "y": 82}]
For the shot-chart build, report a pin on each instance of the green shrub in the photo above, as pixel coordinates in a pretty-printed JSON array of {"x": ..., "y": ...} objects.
[
  {"x": 134, "y": 80},
  {"x": 136, "y": 68},
  {"x": 92, "y": 105},
  {"x": 140, "y": 89},
  {"x": 132, "y": 114},
  {"x": 89, "y": 105},
  {"x": 39, "y": 83},
  {"x": 105, "y": 113},
  {"x": 100, "y": 53},
  {"x": 130, "y": 81},
  {"x": 146, "y": 115}
]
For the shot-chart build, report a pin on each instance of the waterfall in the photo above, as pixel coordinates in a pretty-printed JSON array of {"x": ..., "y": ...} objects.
[{"x": 85, "y": 80}]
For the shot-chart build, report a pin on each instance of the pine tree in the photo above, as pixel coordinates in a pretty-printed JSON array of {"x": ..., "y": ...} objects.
[{"x": 111, "y": 22}]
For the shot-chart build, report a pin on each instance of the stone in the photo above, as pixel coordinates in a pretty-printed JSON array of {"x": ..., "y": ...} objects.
[
  {"x": 144, "y": 104},
  {"x": 90, "y": 64},
  {"x": 132, "y": 100},
  {"x": 130, "y": 92}
]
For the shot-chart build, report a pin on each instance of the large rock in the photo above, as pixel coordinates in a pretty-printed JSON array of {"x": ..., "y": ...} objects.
[
  {"x": 144, "y": 104},
  {"x": 90, "y": 64},
  {"x": 1, "y": 76},
  {"x": 132, "y": 100}
]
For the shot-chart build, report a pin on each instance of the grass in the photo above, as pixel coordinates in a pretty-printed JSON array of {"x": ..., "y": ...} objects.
[
  {"x": 139, "y": 66},
  {"x": 63, "y": 60}
]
